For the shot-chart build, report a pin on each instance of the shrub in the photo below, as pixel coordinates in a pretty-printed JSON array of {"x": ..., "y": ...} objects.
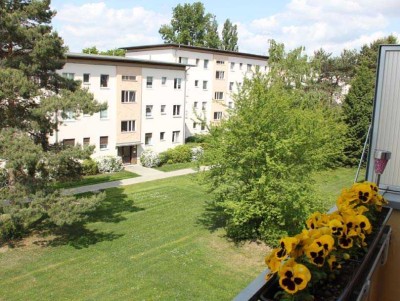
[
  {"x": 89, "y": 167},
  {"x": 150, "y": 158},
  {"x": 196, "y": 139},
  {"x": 179, "y": 154},
  {"x": 109, "y": 164},
  {"x": 197, "y": 153}
]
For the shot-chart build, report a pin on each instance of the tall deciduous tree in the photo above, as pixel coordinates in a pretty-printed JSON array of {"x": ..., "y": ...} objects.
[
  {"x": 229, "y": 37},
  {"x": 357, "y": 107},
  {"x": 262, "y": 157},
  {"x": 32, "y": 96},
  {"x": 191, "y": 25}
]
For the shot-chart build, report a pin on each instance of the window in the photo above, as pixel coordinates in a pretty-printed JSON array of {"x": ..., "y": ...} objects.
[
  {"x": 195, "y": 104},
  {"x": 197, "y": 62},
  {"x": 104, "y": 114},
  {"x": 204, "y": 105},
  {"x": 205, "y": 84},
  {"x": 203, "y": 126},
  {"x": 183, "y": 60},
  {"x": 249, "y": 67},
  {"x": 205, "y": 64},
  {"x": 128, "y": 96},
  {"x": 219, "y": 75},
  {"x": 69, "y": 142},
  {"x": 232, "y": 66},
  {"x": 240, "y": 66},
  {"x": 149, "y": 82},
  {"x": 175, "y": 136},
  {"x": 104, "y": 80},
  {"x": 230, "y": 105},
  {"x": 86, "y": 78},
  {"x": 194, "y": 125},
  {"x": 177, "y": 83},
  {"x": 104, "y": 142},
  {"x": 217, "y": 115},
  {"x": 149, "y": 111},
  {"x": 163, "y": 80},
  {"x": 230, "y": 86},
  {"x": 219, "y": 95},
  {"x": 86, "y": 141},
  {"x": 162, "y": 136},
  {"x": 220, "y": 62},
  {"x": 176, "y": 110},
  {"x": 196, "y": 83},
  {"x": 163, "y": 111},
  {"x": 147, "y": 138},
  {"x": 129, "y": 77},
  {"x": 128, "y": 126},
  {"x": 68, "y": 75}
]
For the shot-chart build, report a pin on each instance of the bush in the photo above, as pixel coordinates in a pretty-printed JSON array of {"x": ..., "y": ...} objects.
[
  {"x": 150, "y": 158},
  {"x": 89, "y": 167},
  {"x": 196, "y": 139},
  {"x": 197, "y": 153},
  {"x": 109, "y": 164},
  {"x": 179, "y": 154}
]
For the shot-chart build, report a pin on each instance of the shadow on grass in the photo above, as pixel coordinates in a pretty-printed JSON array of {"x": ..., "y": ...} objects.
[
  {"x": 213, "y": 217},
  {"x": 111, "y": 210}
]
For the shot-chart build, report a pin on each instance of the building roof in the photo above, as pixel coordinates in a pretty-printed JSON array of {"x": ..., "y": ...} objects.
[
  {"x": 194, "y": 48},
  {"x": 122, "y": 59}
]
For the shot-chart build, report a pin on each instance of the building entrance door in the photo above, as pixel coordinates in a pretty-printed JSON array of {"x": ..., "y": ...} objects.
[{"x": 128, "y": 154}]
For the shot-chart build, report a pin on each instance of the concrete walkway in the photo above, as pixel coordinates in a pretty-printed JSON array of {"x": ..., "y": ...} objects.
[{"x": 146, "y": 175}]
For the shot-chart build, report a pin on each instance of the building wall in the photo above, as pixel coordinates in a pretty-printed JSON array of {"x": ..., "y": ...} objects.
[
  {"x": 126, "y": 110},
  {"x": 162, "y": 95},
  {"x": 196, "y": 95},
  {"x": 93, "y": 127}
]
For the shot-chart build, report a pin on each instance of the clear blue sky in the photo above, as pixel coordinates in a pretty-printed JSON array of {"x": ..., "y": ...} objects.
[{"x": 333, "y": 25}]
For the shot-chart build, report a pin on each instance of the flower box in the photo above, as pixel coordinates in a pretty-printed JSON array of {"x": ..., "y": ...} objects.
[
  {"x": 357, "y": 275},
  {"x": 334, "y": 258}
]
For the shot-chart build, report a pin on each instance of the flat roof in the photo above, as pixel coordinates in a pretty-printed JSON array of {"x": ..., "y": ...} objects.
[
  {"x": 194, "y": 48},
  {"x": 122, "y": 59}
]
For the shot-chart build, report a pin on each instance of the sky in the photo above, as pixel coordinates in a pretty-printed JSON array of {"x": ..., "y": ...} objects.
[{"x": 333, "y": 25}]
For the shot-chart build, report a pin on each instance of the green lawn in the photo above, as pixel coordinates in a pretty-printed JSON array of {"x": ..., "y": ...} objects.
[
  {"x": 331, "y": 182},
  {"x": 100, "y": 178},
  {"x": 176, "y": 166},
  {"x": 146, "y": 242}
]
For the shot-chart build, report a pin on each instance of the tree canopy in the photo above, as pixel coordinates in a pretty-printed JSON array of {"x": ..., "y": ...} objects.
[
  {"x": 192, "y": 25},
  {"x": 262, "y": 157},
  {"x": 113, "y": 52},
  {"x": 32, "y": 97}
]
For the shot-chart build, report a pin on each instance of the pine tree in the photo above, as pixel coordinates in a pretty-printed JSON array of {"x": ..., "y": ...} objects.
[{"x": 32, "y": 96}]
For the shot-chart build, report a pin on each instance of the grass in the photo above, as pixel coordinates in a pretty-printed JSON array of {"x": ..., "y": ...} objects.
[
  {"x": 146, "y": 242},
  {"x": 329, "y": 183},
  {"x": 176, "y": 166},
  {"x": 96, "y": 179}
]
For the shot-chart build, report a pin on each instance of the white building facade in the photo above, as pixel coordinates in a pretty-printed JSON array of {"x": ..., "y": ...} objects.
[
  {"x": 213, "y": 77},
  {"x": 145, "y": 105}
]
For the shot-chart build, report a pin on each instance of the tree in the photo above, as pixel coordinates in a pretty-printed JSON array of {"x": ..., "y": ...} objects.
[
  {"x": 191, "y": 25},
  {"x": 32, "y": 97},
  {"x": 113, "y": 52},
  {"x": 358, "y": 104},
  {"x": 262, "y": 157},
  {"x": 229, "y": 36}
]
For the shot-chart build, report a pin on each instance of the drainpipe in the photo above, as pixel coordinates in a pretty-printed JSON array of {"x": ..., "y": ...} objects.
[{"x": 184, "y": 105}]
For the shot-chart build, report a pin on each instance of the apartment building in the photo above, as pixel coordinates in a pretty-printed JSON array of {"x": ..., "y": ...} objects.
[
  {"x": 213, "y": 76},
  {"x": 146, "y": 105}
]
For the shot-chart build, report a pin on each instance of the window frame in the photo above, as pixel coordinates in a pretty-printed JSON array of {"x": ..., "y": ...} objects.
[
  {"x": 103, "y": 146},
  {"x": 149, "y": 82},
  {"x": 175, "y": 136},
  {"x": 177, "y": 83},
  {"x": 104, "y": 80},
  {"x": 130, "y": 126},
  {"x": 126, "y": 96},
  {"x": 176, "y": 110},
  {"x": 86, "y": 82},
  {"x": 219, "y": 74},
  {"x": 148, "y": 137},
  {"x": 149, "y": 114}
]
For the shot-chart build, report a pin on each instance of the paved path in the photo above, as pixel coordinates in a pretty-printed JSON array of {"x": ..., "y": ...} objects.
[{"x": 146, "y": 175}]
